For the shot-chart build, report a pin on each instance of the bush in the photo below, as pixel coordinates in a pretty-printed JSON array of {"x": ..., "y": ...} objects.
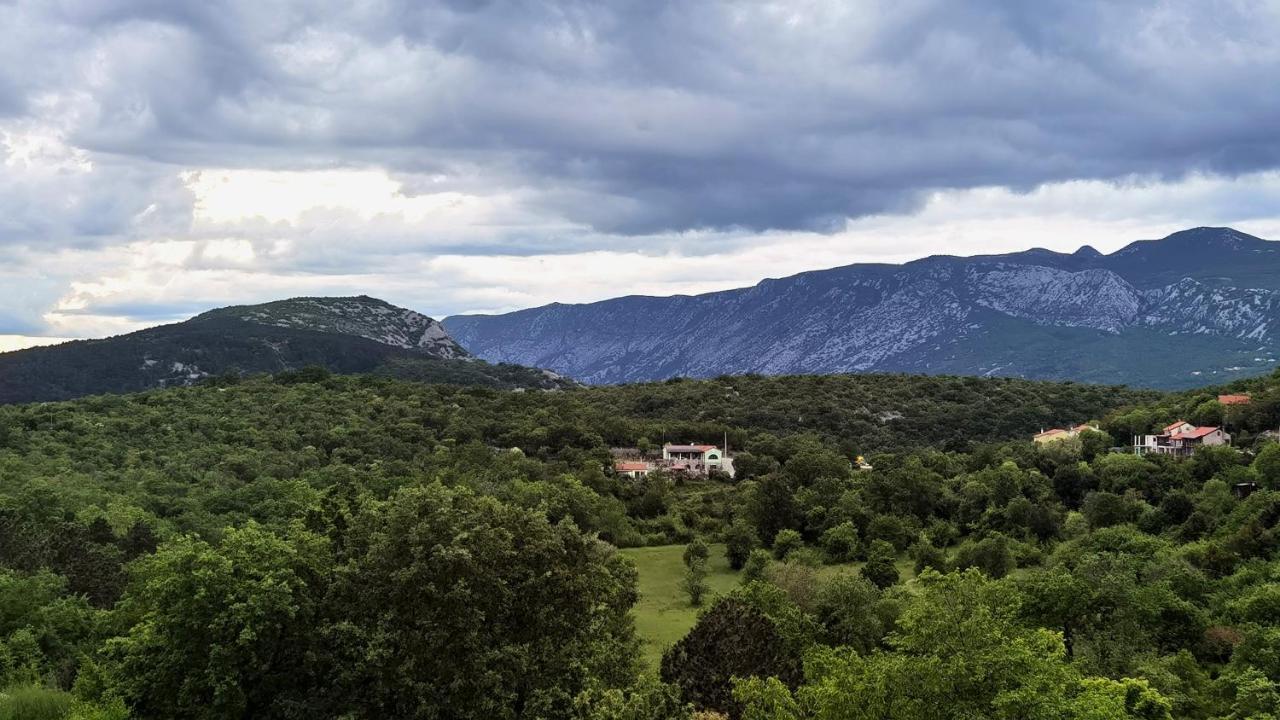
[
  {"x": 991, "y": 555},
  {"x": 841, "y": 543},
  {"x": 32, "y": 702},
  {"x": 799, "y": 582},
  {"x": 926, "y": 555},
  {"x": 854, "y": 613},
  {"x": 648, "y": 699},
  {"x": 739, "y": 540},
  {"x": 1104, "y": 509},
  {"x": 785, "y": 542},
  {"x": 880, "y": 572},
  {"x": 807, "y": 556},
  {"x": 114, "y": 710},
  {"x": 695, "y": 580},
  {"x": 756, "y": 566},
  {"x": 941, "y": 533},
  {"x": 731, "y": 640},
  {"x": 880, "y": 568},
  {"x": 696, "y": 551},
  {"x": 891, "y": 529}
]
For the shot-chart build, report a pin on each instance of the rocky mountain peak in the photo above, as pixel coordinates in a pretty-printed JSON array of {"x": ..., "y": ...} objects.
[{"x": 361, "y": 316}]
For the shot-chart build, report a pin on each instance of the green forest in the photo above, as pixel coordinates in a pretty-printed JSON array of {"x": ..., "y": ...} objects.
[{"x": 309, "y": 545}]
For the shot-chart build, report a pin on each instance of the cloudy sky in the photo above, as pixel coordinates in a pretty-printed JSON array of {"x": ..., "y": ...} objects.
[{"x": 159, "y": 157}]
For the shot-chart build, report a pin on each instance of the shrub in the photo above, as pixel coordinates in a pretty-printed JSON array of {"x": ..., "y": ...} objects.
[
  {"x": 648, "y": 699},
  {"x": 880, "y": 568},
  {"x": 941, "y": 533},
  {"x": 114, "y": 710},
  {"x": 731, "y": 640},
  {"x": 32, "y": 702},
  {"x": 927, "y": 556},
  {"x": 807, "y": 556},
  {"x": 854, "y": 612},
  {"x": 880, "y": 572},
  {"x": 990, "y": 555},
  {"x": 841, "y": 543},
  {"x": 739, "y": 540},
  {"x": 892, "y": 529},
  {"x": 695, "y": 580},
  {"x": 785, "y": 542},
  {"x": 1104, "y": 509},
  {"x": 696, "y": 551},
  {"x": 799, "y": 582},
  {"x": 756, "y": 566}
]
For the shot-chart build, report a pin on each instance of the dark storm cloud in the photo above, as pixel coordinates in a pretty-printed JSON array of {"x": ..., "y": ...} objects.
[{"x": 636, "y": 118}]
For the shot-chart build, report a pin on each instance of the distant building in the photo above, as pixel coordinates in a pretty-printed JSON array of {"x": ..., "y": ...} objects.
[
  {"x": 634, "y": 469},
  {"x": 695, "y": 459},
  {"x": 1051, "y": 435},
  {"x": 1054, "y": 434},
  {"x": 677, "y": 459},
  {"x": 1243, "y": 490},
  {"x": 1242, "y": 399},
  {"x": 1180, "y": 438}
]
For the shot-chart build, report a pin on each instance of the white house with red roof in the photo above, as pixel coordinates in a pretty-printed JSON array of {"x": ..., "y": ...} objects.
[
  {"x": 1180, "y": 438},
  {"x": 634, "y": 469},
  {"x": 696, "y": 459}
]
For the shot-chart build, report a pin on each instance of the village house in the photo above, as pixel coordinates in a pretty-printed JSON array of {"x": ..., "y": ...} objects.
[
  {"x": 634, "y": 469},
  {"x": 694, "y": 459},
  {"x": 1234, "y": 399},
  {"x": 1180, "y": 438},
  {"x": 1054, "y": 434},
  {"x": 687, "y": 459}
]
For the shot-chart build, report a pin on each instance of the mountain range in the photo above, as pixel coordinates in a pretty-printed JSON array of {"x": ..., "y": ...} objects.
[
  {"x": 343, "y": 335},
  {"x": 1198, "y": 306}
]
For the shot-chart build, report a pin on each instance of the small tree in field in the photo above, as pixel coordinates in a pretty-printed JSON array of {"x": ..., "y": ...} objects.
[
  {"x": 694, "y": 551},
  {"x": 696, "y": 555},
  {"x": 757, "y": 562},
  {"x": 695, "y": 581},
  {"x": 739, "y": 540}
]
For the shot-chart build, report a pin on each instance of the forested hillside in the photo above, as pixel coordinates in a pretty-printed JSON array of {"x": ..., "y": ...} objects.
[
  {"x": 342, "y": 335},
  {"x": 858, "y": 413},
  {"x": 314, "y": 545}
]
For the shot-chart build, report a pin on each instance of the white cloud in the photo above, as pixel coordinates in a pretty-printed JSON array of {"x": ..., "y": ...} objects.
[{"x": 257, "y": 265}]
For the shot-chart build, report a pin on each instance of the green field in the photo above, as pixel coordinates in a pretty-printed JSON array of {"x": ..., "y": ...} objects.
[{"x": 663, "y": 614}]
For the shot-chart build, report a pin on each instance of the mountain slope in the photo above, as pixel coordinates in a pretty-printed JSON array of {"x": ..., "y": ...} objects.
[
  {"x": 344, "y": 335},
  {"x": 1197, "y": 305},
  {"x": 362, "y": 316}
]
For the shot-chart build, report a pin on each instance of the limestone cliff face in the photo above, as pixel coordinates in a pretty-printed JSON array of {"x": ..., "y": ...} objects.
[{"x": 1166, "y": 313}]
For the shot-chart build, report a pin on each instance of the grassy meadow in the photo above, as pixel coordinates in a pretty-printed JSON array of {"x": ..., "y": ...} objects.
[{"x": 663, "y": 615}]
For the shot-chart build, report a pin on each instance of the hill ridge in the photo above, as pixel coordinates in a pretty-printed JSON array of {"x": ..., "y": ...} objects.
[{"x": 1198, "y": 305}]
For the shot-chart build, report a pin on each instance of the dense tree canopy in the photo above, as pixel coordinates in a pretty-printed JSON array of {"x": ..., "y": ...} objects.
[{"x": 320, "y": 546}]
